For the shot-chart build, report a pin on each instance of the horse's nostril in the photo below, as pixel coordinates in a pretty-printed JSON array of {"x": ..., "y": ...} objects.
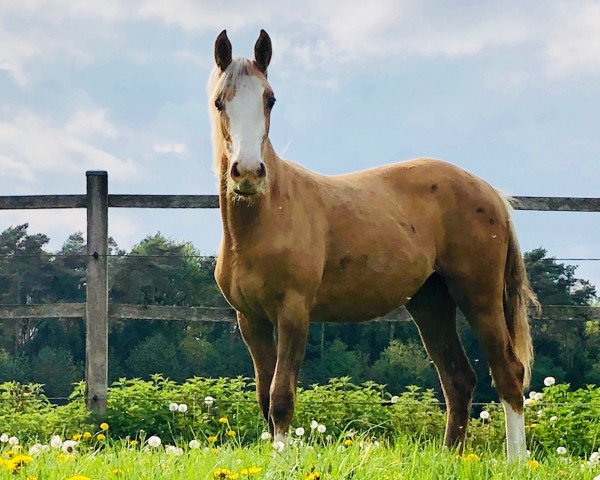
[
  {"x": 234, "y": 170},
  {"x": 262, "y": 170}
]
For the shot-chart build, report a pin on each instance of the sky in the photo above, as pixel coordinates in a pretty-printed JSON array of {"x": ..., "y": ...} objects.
[{"x": 505, "y": 89}]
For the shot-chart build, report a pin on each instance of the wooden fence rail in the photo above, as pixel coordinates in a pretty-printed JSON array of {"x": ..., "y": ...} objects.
[{"x": 97, "y": 311}]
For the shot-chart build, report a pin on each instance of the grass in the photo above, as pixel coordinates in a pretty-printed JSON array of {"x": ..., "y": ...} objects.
[{"x": 406, "y": 459}]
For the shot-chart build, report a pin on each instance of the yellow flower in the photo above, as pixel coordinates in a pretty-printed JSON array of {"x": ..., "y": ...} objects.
[
  {"x": 76, "y": 437},
  {"x": 31, "y": 477},
  {"x": 250, "y": 471},
  {"x": 10, "y": 453},
  {"x": 212, "y": 439},
  {"x": 223, "y": 420},
  {"x": 314, "y": 475},
  {"x": 117, "y": 471},
  {"x": 134, "y": 443},
  {"x": 22, "y": 459},
  {"x": 233, "y": 476},
  {"x": 471, "y": 457},
  {"x": 9, "y": 465},
  {"x": 64, "y": 457},
  {"x": 348, "y": 442},
  {"x": 230, "y": 433},
  {"x": 101, "y": 437},
  {"x": 79, "y": 477},
  {"x": 86, "y": 435},
  {"x": 221, "y": 473},
  {"x": 104, "y": 426},
  {"x": 533, "y": 464}
]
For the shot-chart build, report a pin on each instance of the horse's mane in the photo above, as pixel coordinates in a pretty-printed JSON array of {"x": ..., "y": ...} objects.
[{"x": 223, "y": 85}]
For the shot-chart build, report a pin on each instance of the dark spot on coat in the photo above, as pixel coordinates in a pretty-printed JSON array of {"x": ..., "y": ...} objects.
[
  {"x": 481, "y": 210},
  {"x": 413, "y": 228},
  {"x": 344, "y": 261},
  {"x": 492, "y": 221},
  {"x": 279, "y": 296},
  {"x": 434, "y": 187}
]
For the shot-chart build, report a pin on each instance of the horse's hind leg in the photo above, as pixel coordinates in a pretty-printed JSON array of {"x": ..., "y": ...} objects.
[
  {"x": 434, "y": 312},
  {"x": 259, "y": 338}
]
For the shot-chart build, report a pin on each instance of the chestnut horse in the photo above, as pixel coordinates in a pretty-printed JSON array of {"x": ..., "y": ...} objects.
[{"x": 300, "y": 247}]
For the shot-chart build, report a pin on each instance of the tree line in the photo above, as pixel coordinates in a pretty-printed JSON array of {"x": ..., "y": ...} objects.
[{"x": 162, "y": 271}]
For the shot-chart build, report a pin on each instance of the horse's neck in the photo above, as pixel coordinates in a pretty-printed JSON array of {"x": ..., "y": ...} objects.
[{"x": 242, "y": 219}]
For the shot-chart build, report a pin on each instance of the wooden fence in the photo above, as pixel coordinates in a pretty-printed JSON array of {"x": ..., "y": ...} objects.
[{"x": 97, "y": 311}]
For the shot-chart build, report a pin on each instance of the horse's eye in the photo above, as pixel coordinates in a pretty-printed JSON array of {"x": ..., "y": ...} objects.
[
  {"x": 270, "y": 102},
  {"x": 219, "y": 104}
]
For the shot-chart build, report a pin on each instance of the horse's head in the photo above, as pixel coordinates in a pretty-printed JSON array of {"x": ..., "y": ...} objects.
[{"x": 240, "y": 100}]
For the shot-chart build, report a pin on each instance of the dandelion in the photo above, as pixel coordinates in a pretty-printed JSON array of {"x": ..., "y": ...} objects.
[
  {"x": 314, "y": 475},
  {"x": 173, "y": 407},
  {"x": 549, "y": 381},
  {"x": 221, "y": 473},
  {"x": 594, "y": 458},
  {"x": 532, "y": 394},
  {"x": 395, "y": 399},
  {"x": 104, "y": 426},
  {"x": 4, "y": 438},
  {"x": 538, "y": 397},
  {"x": 36, "y": 449},
  {"x": 209, "y": 400},
  {"x": 299, "y": 432},
  {"x": 231, "y": 433},
  {"x": 194, "y": 444},
  {"x": 69, "y": 446},
  {"x": 540, "y": 413},
  {"x": 154, "y": 441},
  {"x": 533, "y": 464},
  {"x": 65, "y": 457},
  {"x": 314, "y": 424},
  {"x": 86, "y": 435},
  {"x": 553, "y": 418},
  {"x": 101, "y": 437},
  {"x": 278, "y": 446},
  {"x": 484, "y": 415},
  {"x": 597, "y": 477},
  {"x": 250, "y": 471},
  {"x": 223, "y": 420},
  {"x": 348, "y": 442},
  {"x": 79, "y": 477},
  {"x": 561, "y": 450},
  {"x": 182, "y": 408},
  {"x": 321, "y": 428},
  {"x": 529, "y": 401},
  {"x": 471, "y": 457},
  {"x": 13, "y": 441},
  {"x": 173, "y": 450},
  {"x": 265, "y": 436},
  {"x": 55, "y": 441},
  {"x": 76, "y": 437},
  {"x": 133, "y": 443}
]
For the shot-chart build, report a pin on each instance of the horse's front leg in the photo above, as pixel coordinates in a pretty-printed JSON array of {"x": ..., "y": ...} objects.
[
  {"x": 258, "y": 335},
  {"x": 292, "y": 333}
]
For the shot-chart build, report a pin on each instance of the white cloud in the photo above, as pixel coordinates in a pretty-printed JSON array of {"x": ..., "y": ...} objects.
[
  {"x": 170, "y": 148},
  {"x": 32, "y": 146}
]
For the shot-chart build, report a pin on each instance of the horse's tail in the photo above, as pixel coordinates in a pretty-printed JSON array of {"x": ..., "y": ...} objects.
[{"x": 517, "y": 296}]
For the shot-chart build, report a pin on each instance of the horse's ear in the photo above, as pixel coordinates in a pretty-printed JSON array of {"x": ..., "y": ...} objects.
[
  {"x": 223, "y": 50},
  {"x": 263, "y": 51}
]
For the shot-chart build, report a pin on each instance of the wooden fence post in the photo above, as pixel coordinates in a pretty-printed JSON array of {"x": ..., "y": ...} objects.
[{"x": 96, "y": 318}]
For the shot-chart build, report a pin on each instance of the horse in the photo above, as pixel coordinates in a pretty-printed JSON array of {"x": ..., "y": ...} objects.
[{"x": 300, "y": 247}]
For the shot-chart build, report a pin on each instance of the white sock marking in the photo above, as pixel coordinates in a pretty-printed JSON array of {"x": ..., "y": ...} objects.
[{"x": 516, "y": 448}]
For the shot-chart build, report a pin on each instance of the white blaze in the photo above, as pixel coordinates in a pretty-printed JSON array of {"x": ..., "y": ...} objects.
[
  {"x": 247, "y": 123},
  {"x": 515, "y": 433}
]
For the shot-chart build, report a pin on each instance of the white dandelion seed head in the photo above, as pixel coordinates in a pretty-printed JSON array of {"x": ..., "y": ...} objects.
[
  {"x": 484, "y": 415},
  {"x": 529, "y": 401},
  {"x": 55, "y": 441},
  {"x": 376, "y": 444},
  {"x": 299, "y": 431},
  {"x": 173, "y": 407},
  {"x": 154, "y": 441},
  {"x": 549, "y": 381},
  {"x": 68, "y": 446},
  {"x": 45, "y": 448},
  {"x": 538, "y": 396},
  {"x": 553, "y": 418},
  {"x": 182, "y": 408},
  {"x": 13, "y": 441},
  {"x": 594, "y": 458},
  {"x": 561, "y": 450},
  {"x": 4, "y": 438},
  {"x": 540, "y": 413},
  {"x": 36, "y": 449},
  {"x": 265, "y": 436},
  {"x": 209, "y": 400},
  {"x": 395, "y": 399},
  {"x": 173, "y": 450},
  {"x": 532, "y": 394},
  {"x": 321, "y": 428},
  {"x": 194, "y": 444},
  {"x": 597, "y": 477},
  {"x": 314, "y": 424},
  {"x": 278, "y": 446}
]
